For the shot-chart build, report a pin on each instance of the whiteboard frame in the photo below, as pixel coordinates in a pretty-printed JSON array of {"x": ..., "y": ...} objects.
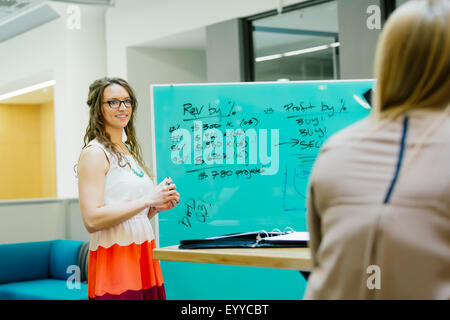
[
  {"x": 253, "y": 82},
  {"x": 152, "y": 128}
]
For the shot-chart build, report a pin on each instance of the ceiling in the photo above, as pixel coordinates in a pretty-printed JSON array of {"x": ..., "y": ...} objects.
[
  {"x": 10, "y": 8},
  {"x": 95, "y": 2},
  {"x": 321, "y": 17},
  {"x": 193, "y": 40},
  {"x": 19, "y": 16},
  {"x": 35, "y": 97}
]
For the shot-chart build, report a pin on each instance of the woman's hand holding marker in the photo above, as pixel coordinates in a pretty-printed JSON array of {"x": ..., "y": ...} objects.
[{"x": 168, "y": 185}]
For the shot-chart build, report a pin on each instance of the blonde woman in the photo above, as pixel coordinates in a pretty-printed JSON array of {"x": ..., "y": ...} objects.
[
  {"x": 379, "y": 194},
  {"x": 117, "y": 198}
]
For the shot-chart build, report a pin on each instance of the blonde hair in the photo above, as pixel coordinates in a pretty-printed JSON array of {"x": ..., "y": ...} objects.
[{"x": 412, "y": 63}]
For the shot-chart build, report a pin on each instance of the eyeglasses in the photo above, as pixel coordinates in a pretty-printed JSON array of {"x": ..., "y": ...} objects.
[{"x": 115, "y": 104}]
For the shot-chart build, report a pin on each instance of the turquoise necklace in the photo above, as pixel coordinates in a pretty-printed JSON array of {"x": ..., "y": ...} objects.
[{"x": 139, "y": 173}]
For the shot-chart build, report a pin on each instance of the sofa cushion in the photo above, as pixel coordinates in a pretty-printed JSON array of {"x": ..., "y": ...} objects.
[
  {"x": 63, "y": 253},
  {"x": 44, "y": 289},
  {"x": 24, "y": 261},
  {"x": 83, "y": 261}
]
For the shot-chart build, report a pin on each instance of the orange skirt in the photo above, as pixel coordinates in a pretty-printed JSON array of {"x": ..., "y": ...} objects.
[{"x": 125, "y": 273}]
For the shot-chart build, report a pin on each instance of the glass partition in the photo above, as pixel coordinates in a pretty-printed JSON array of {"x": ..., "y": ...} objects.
[{"x": 301, "y": 44}]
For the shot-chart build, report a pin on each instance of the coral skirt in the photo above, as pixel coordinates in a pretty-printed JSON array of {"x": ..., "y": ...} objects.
[{"x": 121, "y": 265}]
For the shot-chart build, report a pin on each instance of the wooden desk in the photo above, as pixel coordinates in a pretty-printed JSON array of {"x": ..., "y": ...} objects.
[{"x": 280, "y": 258}]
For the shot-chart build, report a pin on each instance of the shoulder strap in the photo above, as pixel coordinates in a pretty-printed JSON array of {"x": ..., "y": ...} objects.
[{"x": 98, "y": 144}]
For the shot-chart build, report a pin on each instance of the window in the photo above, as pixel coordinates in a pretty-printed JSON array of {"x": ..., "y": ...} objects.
[{"x": 300, "y": 44}]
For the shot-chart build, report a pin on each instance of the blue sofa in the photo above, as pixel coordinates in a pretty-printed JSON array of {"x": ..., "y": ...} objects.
[{"x": 38, "y": 270}]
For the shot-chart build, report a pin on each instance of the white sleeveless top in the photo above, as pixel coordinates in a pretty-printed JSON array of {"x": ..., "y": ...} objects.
[{"x": 122, "y": 184}]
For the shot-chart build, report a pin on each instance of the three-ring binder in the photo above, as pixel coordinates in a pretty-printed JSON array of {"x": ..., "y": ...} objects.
[{"x": 259, "y": 239}]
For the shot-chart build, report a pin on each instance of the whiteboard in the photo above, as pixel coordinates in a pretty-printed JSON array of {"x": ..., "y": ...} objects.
[{"x": 240, "y": 155}]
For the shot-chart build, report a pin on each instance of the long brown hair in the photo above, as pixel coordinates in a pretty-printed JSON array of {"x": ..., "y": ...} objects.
[{"x": 96, "y": 127}]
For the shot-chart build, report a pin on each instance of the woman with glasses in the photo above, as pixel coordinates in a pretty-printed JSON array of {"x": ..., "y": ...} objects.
[
  {"x": 118, "y": 197},
  {"x": 379, "y": 194}
]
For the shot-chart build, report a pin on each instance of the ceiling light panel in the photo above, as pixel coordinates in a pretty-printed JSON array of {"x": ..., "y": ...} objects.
[
  {"x": 9, "y": 8},
  {"x": 34, "y": 14},
  {"x": 93, "y": 2}
]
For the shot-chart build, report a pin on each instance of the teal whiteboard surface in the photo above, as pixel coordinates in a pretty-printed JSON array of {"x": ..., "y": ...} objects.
[{"x": 261, "y": 187}]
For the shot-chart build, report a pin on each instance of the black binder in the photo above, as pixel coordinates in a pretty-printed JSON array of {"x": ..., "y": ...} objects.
[{"x": 258, "y": 239}]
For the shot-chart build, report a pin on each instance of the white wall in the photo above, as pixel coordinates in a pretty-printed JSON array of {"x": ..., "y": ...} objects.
[
  {"x": 84, "y": 62},
  {"x": 225, "y": 52},
  {"x": 31, "y": 221},
  {"x": 31, "y": 57},
  {"x": 74, "y": 58},
  {"x": 358, "y": 42},
  {"x": 131, "y": 23},
  {"x": 41, "y": 220},
  {"x": 74, "y": 226}
]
